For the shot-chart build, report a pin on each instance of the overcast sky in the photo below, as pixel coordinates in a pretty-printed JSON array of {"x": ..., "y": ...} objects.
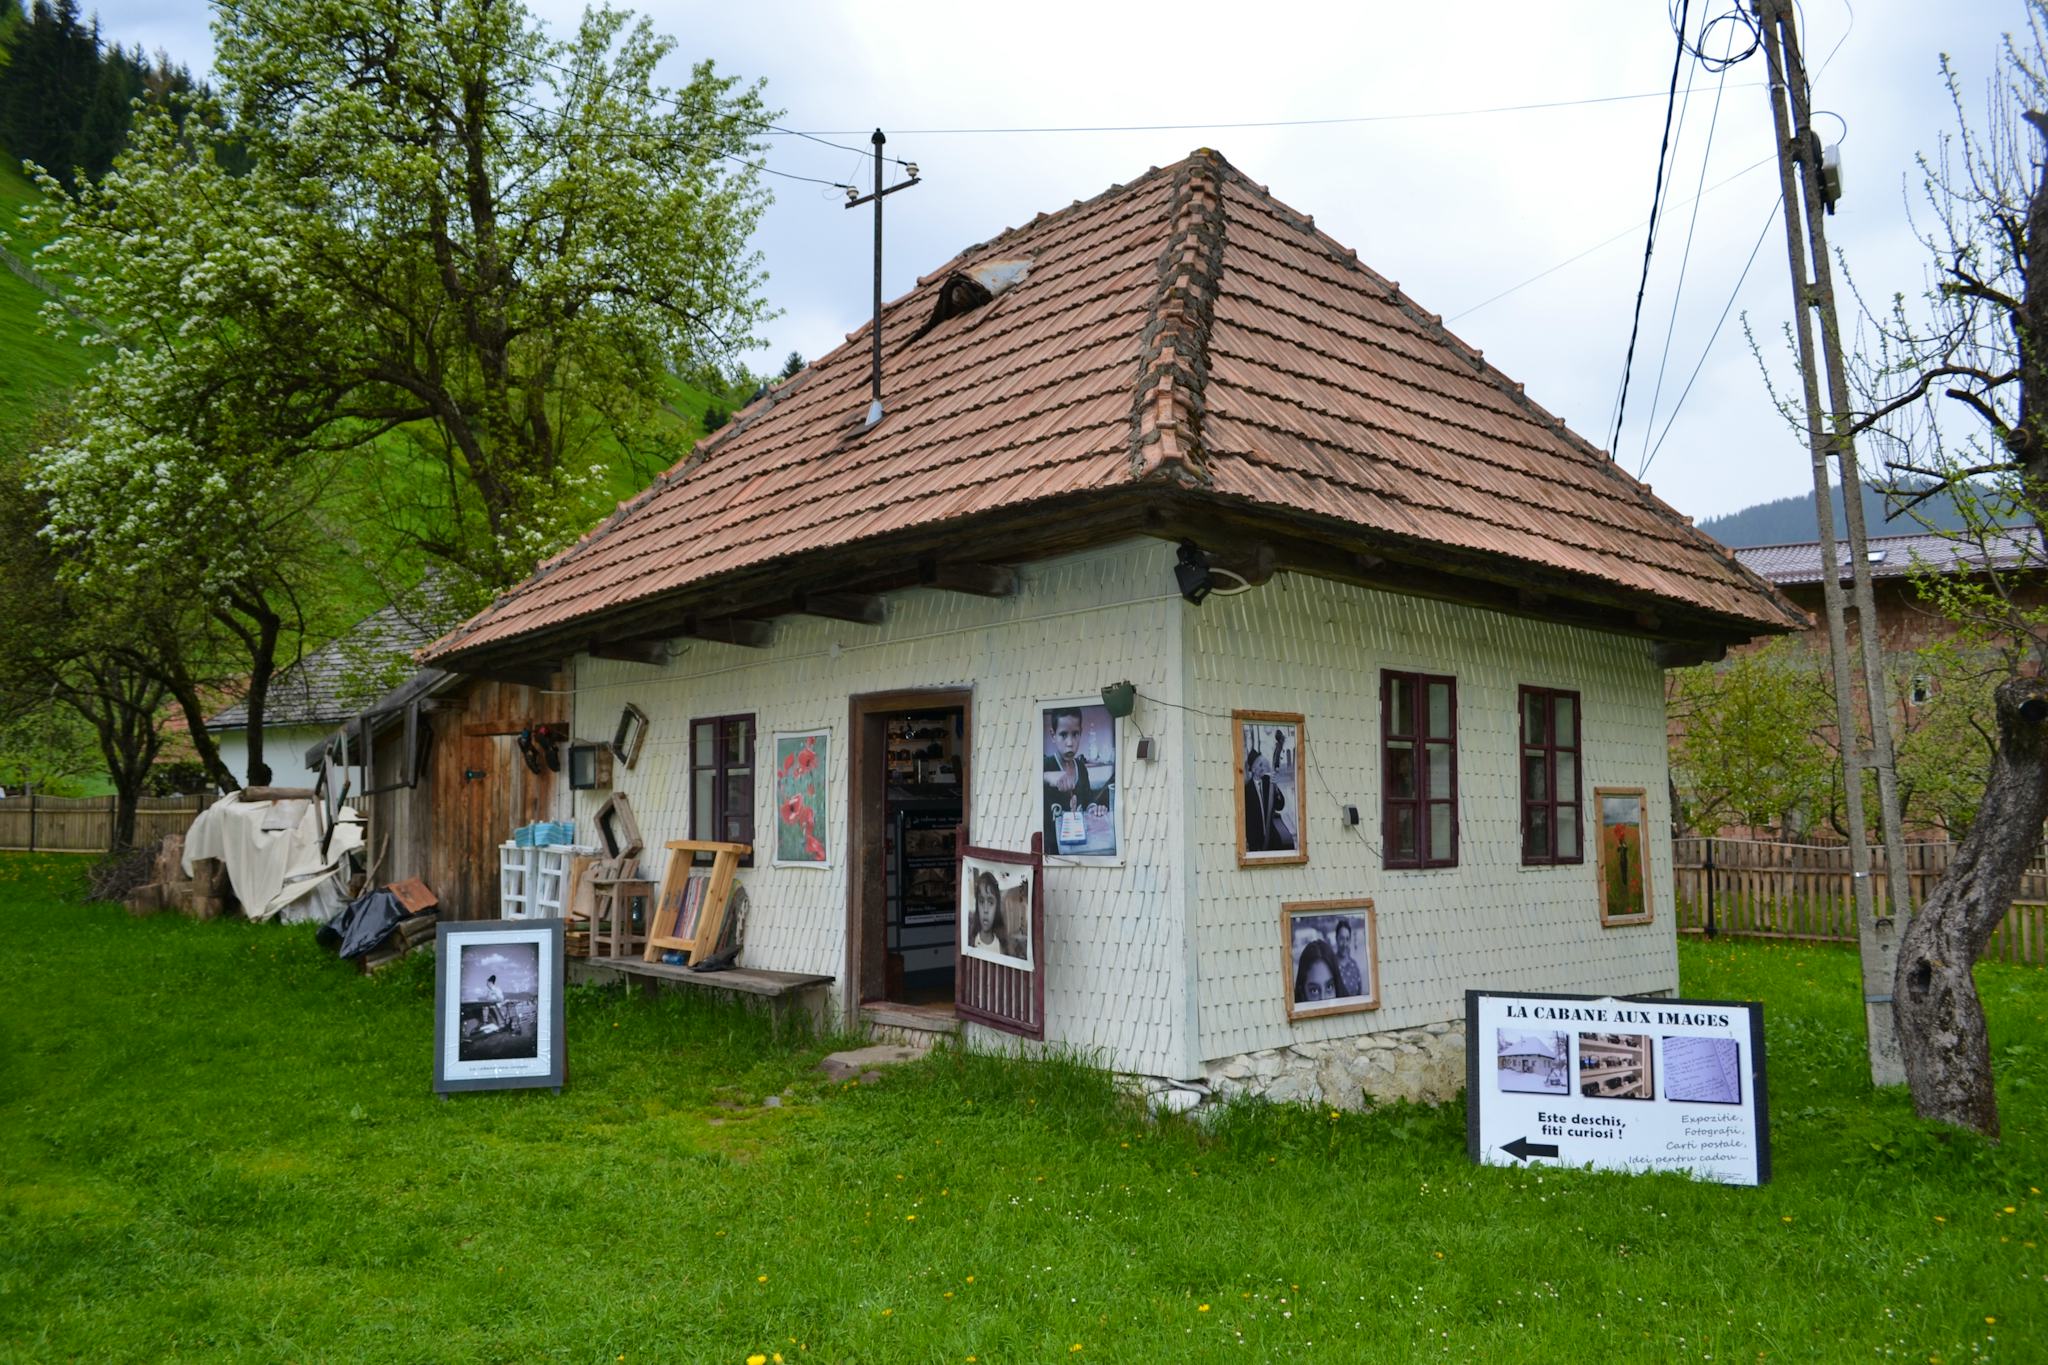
[{"x": 1457, "y": 207}]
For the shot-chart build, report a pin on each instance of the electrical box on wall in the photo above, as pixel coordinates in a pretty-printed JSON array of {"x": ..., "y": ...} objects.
[{"x": 590, "y": 765}]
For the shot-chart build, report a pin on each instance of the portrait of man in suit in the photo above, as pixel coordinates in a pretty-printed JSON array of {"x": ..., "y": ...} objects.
[{"x": 1269, "y": 746}]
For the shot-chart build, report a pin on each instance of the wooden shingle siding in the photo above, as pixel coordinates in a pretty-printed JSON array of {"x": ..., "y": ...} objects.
[
  {"x": 1113, "y": 947},
  {"x": 1300, "y": 644}
]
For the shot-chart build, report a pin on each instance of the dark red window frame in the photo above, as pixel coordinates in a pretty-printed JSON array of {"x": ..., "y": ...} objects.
[
  {"x": 1405, "y": 730},
  {"x": 1542, "y": 749},
  {"x": 727, "y": 824}
]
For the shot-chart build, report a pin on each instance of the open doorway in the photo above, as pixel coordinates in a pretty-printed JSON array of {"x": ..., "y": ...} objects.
[{"x": 907, "y": 800}]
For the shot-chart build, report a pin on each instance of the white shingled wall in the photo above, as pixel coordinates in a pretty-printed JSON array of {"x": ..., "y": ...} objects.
[
  {"x": 1301, "y": 644},
  {"x": 1114, "y": 948}
]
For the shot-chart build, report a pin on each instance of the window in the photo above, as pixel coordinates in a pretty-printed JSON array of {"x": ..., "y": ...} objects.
[
  {"x": 722, "y": 781},
  {"x": 1550, "y": 776},
  {"x": 1419, "y": 770}
]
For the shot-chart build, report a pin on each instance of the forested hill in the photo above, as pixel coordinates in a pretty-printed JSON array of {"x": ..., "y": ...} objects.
[{"x": 1790, "y": 520}]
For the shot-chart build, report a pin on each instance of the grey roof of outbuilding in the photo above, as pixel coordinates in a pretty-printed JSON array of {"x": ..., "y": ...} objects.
[
  {"x": 1897, "y": 556},
  {"x": 326, "y": 686}
]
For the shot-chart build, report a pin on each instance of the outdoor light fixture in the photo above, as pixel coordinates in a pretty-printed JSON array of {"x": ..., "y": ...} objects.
[
  {"x": 1121, "y": 698},
  {"x": 1192, "y": 573}
]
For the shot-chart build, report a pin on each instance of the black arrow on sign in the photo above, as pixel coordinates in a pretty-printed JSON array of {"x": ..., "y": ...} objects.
[{"x": 1523, "y": 1149}]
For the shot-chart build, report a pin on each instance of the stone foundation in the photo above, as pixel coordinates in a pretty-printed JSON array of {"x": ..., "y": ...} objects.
[{"x": 1425, "y": 1065}]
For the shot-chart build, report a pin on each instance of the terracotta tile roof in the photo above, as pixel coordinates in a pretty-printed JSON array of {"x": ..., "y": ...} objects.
[
  {"x": 1898, "y": 556},
  {"x": 1184, "y": 332}
]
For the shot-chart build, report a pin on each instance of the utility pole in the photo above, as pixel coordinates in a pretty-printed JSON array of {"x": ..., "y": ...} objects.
[
  {"x": 853, "y": 202},
  {"x": 1828, "y": 435}
]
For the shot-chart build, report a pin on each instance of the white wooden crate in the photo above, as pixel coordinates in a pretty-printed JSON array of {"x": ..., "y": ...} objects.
[{"x": 516, "y": 878}]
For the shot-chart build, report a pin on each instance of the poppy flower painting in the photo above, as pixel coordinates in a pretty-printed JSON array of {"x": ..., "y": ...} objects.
[{"x": 803, "y": 769}]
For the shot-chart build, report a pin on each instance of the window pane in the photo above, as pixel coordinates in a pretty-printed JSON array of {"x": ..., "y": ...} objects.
[
  {"x": 1567, "y": 721},
  {"x": 1567, "y": 775},
  {"x": 739, "y": 809},
  {"x": 1532, "y": 718},
  {"x": 1400, "y": 771},
  {"x": 1400, "y": 717},
  {"x": 1440, "y": 710},
  {"x": 702, "y": 822},
  {"x": 1567, "y": 831},
  {"x": 1536, "y": 777},
  {"x": 1439, "y": 770},
  {"x": 1401, "y": 834},
  {"x": 702, "y": 754},
  {"x": 733, "y": 744},
  {"x": 1441, "y": 845},
  {"x": 1536, "y": 831}
]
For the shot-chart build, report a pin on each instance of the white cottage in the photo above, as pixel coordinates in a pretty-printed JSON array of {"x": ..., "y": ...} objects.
[{"x": 1395, "y": 636}]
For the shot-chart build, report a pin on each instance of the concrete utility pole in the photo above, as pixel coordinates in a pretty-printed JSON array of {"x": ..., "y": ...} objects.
[{"x": 1799, "y": 170}]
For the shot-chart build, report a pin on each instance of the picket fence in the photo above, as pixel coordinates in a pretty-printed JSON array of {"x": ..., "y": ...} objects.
[
  {"x": 85, "y": 824},
  {"x": 1749, "y": 888}
]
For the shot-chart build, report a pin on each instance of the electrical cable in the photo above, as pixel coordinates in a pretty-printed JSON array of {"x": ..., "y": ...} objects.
[
  {"x": 1685, "y": 257},
  {"x": 1707, "y": 350},
  {"x": 1649, "y": 245}
]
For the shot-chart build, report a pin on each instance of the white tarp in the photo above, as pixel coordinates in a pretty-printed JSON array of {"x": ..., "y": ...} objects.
[{"x": 271, "y": 850}]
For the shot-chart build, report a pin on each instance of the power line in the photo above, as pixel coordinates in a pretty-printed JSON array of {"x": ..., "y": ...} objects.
[
  {"x": 1650, "y": 244},
  {"x": 1714, "y": 336},
  {"x": 1252, "y": 123}
]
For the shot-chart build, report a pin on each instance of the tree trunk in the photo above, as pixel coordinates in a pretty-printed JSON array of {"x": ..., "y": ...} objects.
[{"x": 1934, "y": 997}]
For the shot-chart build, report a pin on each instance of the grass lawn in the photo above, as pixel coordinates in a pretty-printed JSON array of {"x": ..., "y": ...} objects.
[{"x": 217, "y": 1141}]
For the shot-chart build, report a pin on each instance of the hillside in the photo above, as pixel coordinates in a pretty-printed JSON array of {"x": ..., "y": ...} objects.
[
  {"x": 1788, "y": 521},
  {"x": 39, "y": 365}
]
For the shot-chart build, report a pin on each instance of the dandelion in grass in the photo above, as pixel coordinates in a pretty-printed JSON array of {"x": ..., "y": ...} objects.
[
  {"x": 757, "y": 1359},
  {"x": 1203, "y": 1309}
]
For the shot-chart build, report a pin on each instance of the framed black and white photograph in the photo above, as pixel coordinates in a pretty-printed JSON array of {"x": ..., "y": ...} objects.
[
  {"x": 1331, "y": 954},
  {"x": 996, "y": 901},
  {"x": 1078, "y": 795},
  {"x": 1266, "y": 753},
  {"x": 498, "y": 1005}
]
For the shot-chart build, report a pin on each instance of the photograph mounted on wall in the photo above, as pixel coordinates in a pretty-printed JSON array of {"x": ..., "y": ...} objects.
[
  {"x": 1078, "y": 798},
  {"x": 498, "y": 1005},
  {"x": 803, "y": 789},
  {"x": 1624, "y": 875},
  {"x": 1266, "y": 750},
  {"x": 995, "y": 911},
  {"x": 1330, "y": 952}
]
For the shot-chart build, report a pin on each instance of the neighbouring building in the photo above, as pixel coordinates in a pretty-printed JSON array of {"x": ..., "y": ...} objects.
[{"x": 1393, "y": 634}]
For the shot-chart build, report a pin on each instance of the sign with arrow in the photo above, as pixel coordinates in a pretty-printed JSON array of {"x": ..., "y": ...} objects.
[{"x": 1633, "y": 1084}]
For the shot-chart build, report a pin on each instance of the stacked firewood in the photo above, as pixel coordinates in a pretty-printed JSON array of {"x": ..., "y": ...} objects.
[
  {"x": 203, "y": 895},
  {"x": 410, "y": 935}
]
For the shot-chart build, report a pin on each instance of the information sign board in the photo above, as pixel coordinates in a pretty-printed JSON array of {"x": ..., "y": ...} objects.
[{"x": 1634, "y": 1084}]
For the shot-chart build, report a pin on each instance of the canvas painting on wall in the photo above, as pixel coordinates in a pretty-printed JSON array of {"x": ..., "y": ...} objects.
[
  {"x": 803, "y": 771},
  {"x": 1624, "y": 870},
  {"x": 1266, "y": 749},
  {"x": 1078, "y": 796}
]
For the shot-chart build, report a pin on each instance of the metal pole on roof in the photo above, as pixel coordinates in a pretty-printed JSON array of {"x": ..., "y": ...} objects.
[
  {"x": 1813, "y": 302},
  {"x": 854, "y": 201}
]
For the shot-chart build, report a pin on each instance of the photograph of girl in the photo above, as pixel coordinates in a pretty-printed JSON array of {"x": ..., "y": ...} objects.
[
  {"x": 1332, "y": 957},
  {"x": 995, "y": 906}
]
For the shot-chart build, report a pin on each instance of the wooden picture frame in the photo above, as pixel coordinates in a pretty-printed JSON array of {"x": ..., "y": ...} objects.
[
  {"x": 498, "y": 991},
  {"x": 1272, "y": 819},
  {"x": 630, "y": 734},
  {"x": 1313, "y": 939},
  {"x": 1620, "y": 815},
  {"x": 692, "y": 923},
  {"x": 616, "y": 828}
]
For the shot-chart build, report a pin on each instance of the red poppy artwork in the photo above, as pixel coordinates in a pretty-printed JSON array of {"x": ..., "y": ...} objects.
[{"x": 803, "y": 830}]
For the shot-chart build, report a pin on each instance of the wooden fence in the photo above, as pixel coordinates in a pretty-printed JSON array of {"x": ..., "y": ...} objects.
[
  {"x": 85, "y": 824},
  {"x": 1754, "y": 889}
]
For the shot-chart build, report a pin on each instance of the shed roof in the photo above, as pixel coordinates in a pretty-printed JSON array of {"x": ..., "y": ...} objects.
[
  {"x": 327, "y": 685},
  {"x": 1183, "y": 340},
  {"x": 1898, "y": 556}
]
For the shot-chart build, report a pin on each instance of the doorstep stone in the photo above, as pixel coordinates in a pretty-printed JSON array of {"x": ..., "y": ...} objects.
[{"x": 845, "y": 1066}]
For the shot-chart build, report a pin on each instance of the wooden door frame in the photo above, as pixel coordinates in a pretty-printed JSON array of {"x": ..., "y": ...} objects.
[{"x": 867, "y": 820}]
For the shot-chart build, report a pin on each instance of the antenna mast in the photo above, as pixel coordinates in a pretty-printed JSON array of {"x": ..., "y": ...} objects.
[{"x": 854, "y": 201}]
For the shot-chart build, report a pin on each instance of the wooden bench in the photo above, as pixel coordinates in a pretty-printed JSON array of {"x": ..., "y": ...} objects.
[{"x": 784, "y": 994}]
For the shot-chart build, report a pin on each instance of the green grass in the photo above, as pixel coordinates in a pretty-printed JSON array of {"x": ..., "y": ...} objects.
[
  {"x": 39, "y": 365},
  {"x": 217, "y": 1142}
]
